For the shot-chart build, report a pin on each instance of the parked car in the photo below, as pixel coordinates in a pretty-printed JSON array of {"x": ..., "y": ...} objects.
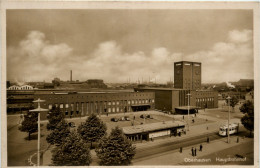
[
  {"x": 72, "y": 124},
  {"x": 143, "y": 116},
  {"x": 149, "y": 116},
  {"x": 114, "y": 119},
  {"x": 127, "y": 118}
]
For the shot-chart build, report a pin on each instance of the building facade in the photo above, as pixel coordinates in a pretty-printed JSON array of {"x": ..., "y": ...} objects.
[
  {"x": 77, "y": 104},
  {"x": 187, "y": 75},
  {"x": 170, "y": 99}
]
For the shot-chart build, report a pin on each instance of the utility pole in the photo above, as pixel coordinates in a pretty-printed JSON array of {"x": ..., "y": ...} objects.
[
  {"x": 188, "y": 110},
  {"x": 228, "y": 140},
  {"x": 38, "y": 110}
]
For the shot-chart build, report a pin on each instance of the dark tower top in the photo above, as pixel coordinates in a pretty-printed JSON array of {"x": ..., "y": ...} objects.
[{"x": 187, "y": 75}]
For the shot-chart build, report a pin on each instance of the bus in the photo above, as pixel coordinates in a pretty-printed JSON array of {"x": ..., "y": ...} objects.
[{"x": 233, "y": 128}]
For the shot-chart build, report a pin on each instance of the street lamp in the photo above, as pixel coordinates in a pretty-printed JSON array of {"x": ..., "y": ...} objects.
[
  {"x": 188, "y": 110},
  {"x": 228, "y": 98},
  {"x": 39, "y": 109}
]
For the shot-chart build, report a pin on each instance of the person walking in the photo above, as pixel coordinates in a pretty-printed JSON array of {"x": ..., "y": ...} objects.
[
  {"x": 180, "y": 149},
  {"x": 208, "y": 139},
  {"x": 183, "y": 117},
  {"x": 195, "y": 152},
  {"x": 200, "y": 147},
  {"x": 192, "y": 151}
]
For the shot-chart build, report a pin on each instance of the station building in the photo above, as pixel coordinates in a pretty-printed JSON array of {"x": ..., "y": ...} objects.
[
  {"x": 80, "y": 103},
  {"x": 176, "y": 100},
  {"x": 187, "y": 80}
]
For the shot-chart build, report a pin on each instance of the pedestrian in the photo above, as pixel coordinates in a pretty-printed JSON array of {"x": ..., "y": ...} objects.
[
  {"x": 180, "y": 149},
  {"x": 183, "y": 117},
  {"x": 195, "y": 114},
  {"x": 195, "y": 152},
  {"x": 207, "y": 128},
  {"x": 208, "y": 139},
  {"x": 134, "y": 117},
  {"x": 193, "y": 121},
  {"x": 200, "y": 147},
  {"x": 237, "y": 139},
  {"x": 192, "y": 151},
  {"x": 179, "y": 133}
]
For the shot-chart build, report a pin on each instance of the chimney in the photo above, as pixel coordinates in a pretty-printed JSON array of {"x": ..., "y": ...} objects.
[{"x": 71, "y": 75}]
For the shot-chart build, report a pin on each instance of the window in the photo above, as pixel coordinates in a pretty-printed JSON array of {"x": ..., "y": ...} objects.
[
  {"x": 66, "y": 106},
  {"x": 113, "y": 103},
  {"x": 50, "y": 106},
  {"x": 117, "y": 102},
  {"x": 61, "y": 106},
  {"x": 109, "y": 103},
  {"x": 129, "y": 102},
  {"x": 77, "y": 106}
]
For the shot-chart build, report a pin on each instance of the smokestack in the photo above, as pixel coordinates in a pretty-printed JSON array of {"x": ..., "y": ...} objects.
[{"x": 71, "y": 75}]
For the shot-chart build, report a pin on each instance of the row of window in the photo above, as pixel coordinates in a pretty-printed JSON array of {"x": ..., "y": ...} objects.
[
  {"x": 204, "y": 99},
  {"x": 105, "y": 103}
]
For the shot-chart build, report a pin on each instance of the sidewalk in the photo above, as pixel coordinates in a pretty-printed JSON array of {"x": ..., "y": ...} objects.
[{"x": 177, "y": 158}]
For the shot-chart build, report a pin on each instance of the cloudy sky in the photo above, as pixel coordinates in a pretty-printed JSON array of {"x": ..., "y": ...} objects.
[{"x": 115, "y": 45}]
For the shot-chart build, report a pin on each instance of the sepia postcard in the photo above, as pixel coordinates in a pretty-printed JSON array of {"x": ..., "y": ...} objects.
[{"x": 120, "y": 83}]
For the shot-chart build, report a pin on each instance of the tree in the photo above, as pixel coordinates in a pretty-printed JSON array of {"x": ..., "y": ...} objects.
[
  {"x": 92, "y": 130},
  {"x": 58, "y": 135},
  {"x": 55, "y": 116},
  {"x": 248, "y": 119},
  {"x": 72, "y": 152},
  {"x": 233, "y": 102},
  {"x": 29, "y": 123},
  {"x": 115, "y": 149}
]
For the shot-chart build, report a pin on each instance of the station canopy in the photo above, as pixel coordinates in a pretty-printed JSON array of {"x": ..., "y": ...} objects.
[
  {"x": 187, "y": 107},
  {"x": 152, "y": 127}
]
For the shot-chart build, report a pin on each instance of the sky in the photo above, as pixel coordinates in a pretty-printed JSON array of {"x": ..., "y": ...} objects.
[{"x": 118, "y": 45}]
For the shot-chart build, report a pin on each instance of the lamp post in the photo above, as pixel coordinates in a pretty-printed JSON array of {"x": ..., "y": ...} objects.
[
  {"x": 188, "y": 110},
  {"x": 39, "y": 109},
  {"x": 228, "y": 98}
]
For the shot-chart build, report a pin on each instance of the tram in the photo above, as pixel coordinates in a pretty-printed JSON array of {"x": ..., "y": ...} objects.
[{"x": 233, "y": 128}]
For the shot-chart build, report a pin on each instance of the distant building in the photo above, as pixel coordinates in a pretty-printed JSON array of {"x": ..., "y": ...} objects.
[
  {"x": 23, "y": 87},
  {"x": 96, "y": 83}
]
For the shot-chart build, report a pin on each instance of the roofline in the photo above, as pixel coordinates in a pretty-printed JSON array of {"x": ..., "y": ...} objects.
[{"x": 187, "y": 62}]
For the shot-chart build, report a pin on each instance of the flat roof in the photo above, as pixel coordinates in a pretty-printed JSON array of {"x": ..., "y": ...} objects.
[
  {"x": 172, "y": 89},
  {"x": 187, "y": 62},
  {"x": 152, "y": 127},
  {"x": 155, "y": 88},
  {"x": 86, "y": 92}
]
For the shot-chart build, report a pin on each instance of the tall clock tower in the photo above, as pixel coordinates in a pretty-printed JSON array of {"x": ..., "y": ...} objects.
[{"x": 187, "y": 75}]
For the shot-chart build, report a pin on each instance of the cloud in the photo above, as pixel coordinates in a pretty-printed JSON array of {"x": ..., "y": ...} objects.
[
  {"x": 243, "y": 36},
  {"x": 227, "y": 61},
  {"x": 36, "y": 59}
]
